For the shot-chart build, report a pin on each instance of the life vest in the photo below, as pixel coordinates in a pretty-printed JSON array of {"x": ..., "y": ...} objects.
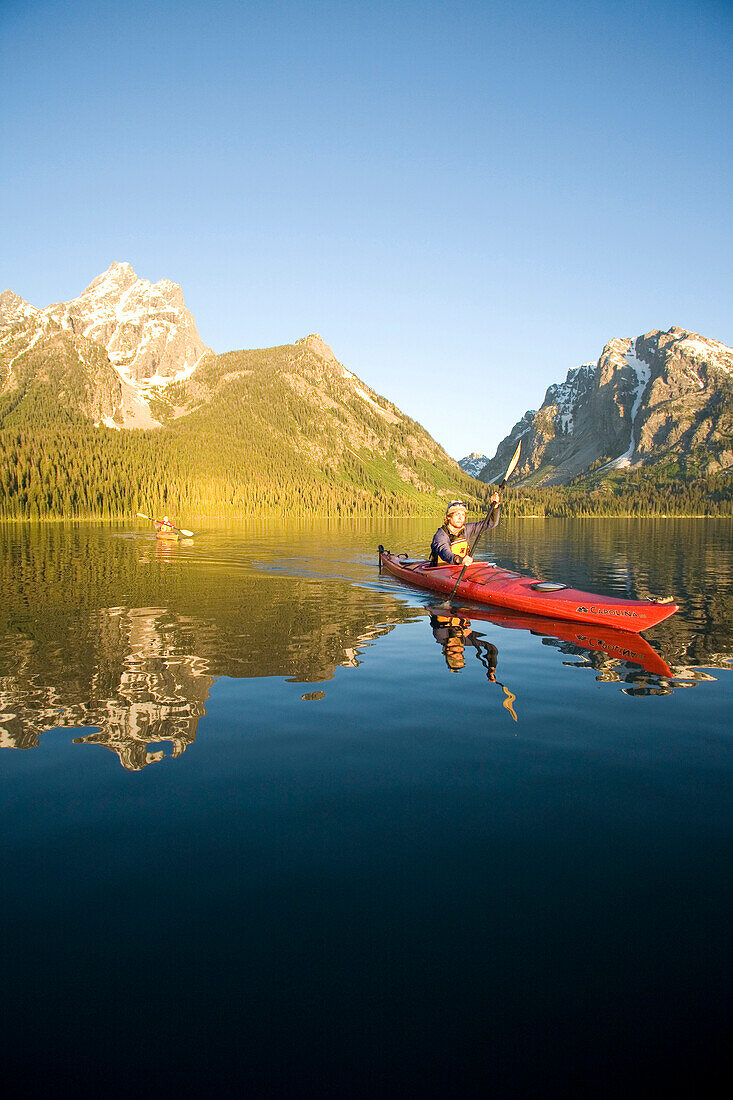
[
  {"x": 453, "y": 622},
  {"x": 458, "y": 545}
]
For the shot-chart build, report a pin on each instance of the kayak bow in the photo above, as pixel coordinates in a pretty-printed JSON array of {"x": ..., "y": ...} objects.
[{"x": 490, "y": 584}]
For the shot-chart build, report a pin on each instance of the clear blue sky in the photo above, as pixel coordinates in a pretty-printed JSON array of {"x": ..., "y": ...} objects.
[{"x": 464, "y": 199}]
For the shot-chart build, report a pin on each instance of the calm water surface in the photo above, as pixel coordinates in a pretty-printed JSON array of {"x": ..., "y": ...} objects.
[{"x": 275, "y": 823}]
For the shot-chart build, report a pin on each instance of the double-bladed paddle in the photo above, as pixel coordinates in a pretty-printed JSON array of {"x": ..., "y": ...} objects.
[
  {"x": 180, "y": 530},
  {"x": 509, "y": 470}
]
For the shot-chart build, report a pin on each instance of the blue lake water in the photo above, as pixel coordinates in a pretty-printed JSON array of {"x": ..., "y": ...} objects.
[{"x": 275, "y": 823}]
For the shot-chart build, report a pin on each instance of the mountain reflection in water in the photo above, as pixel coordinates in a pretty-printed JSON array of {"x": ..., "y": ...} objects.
[
  {"x": 138, "y": 689},
  {"x": 142, "y": 675},
  {"x": 119, "y": 638}
]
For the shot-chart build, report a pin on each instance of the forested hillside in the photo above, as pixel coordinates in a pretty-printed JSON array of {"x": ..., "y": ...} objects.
[
  {"x": 647, "y": 492},
  {"x": 280, "y": 430},
  {"x": 110, "y": 474}
]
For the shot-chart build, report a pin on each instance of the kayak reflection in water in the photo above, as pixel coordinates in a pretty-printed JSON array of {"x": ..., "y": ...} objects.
[{"x": 453, "y": 633}]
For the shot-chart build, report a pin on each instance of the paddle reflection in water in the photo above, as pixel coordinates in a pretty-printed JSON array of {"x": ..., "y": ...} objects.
[{"x": 454, "y": 633}]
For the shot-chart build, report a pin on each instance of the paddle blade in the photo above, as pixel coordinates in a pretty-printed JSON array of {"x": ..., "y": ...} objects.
[
  {"x": 513, "y": 464},
  {"x": 185, "y": 533},
  {"x": 142, "y": 515}
]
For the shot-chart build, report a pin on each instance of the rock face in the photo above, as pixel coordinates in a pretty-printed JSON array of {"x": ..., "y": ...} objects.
[
  {"x": 664, "y": 395},
  {"x": 121, "y": 342}
]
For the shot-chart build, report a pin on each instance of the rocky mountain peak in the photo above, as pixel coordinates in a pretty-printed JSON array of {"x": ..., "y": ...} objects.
[
  {"x": 149, "y": 335},
  {"x": 319, "y": 347},
  {"x": 117, "y": 278},
  {"x": 473, "y": 464},
  {"x": 13, "y": 308},
  {"x": 123, "y": 339},
  {"x": 661, "y": 396}
]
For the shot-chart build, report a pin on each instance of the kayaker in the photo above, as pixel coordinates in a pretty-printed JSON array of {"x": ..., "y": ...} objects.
[
  {"x": 164, "y": 526},
  {"x": 451, "y": 540}
]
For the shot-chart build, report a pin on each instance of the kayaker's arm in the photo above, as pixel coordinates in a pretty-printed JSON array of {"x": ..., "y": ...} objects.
[{"x": 472, "y": 529}]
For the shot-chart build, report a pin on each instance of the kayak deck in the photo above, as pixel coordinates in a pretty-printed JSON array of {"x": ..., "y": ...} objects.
[{"x": 490, "y": 584}]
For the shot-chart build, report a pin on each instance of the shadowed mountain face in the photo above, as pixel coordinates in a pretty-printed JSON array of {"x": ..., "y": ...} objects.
[
  {"x": 474, "y": 463},
  {"x": 665, "y": 396}
]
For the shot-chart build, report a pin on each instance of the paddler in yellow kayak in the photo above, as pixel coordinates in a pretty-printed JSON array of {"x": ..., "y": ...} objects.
[
  {"x": 164, "y": 529},
  {"x": 451, "y": 540}
]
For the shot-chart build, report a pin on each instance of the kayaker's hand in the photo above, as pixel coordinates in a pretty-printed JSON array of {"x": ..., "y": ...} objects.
[
  {"x": 495, "y": 499},
  {"x": 467, "y": 560}
]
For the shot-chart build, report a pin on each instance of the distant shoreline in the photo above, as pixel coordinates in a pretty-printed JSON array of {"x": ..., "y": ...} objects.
[{"x": 192, "y": 517}]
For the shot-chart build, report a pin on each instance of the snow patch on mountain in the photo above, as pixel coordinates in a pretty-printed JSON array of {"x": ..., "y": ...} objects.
[
  {"x": 566, "y": 395},
  {"x": 150, "y": 336},
  {"x": 642, "y": 372},
  {"x": 708, "y": 351}
]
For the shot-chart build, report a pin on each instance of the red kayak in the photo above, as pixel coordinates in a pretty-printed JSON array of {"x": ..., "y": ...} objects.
[{"x": 489, "y": 584}]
